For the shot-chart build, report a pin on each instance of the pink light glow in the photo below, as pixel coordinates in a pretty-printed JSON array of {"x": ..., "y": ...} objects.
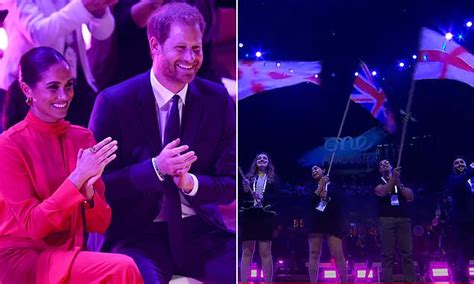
[
  {"x": 86, "y": 34},
  {"x": 3, "y": 39},
  {"x": 253, "y": 273}
]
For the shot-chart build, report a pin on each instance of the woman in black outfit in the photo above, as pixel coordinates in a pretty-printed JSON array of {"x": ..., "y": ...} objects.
[
  {"x": 256, "y": 219},
  {"x": 327, "y": 223}
]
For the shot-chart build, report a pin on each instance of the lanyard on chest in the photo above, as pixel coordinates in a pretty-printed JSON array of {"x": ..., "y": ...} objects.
[{"x": 254, "y": 186}]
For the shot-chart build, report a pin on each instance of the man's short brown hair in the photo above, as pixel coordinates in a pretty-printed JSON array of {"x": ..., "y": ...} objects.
[{"x": 160, "y": 22}]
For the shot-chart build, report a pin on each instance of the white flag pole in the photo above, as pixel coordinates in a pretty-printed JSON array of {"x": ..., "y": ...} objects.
[
  {"x": 406, "y": 119},
  {"x": 407, "y": 114},
  {"x": 339, "y": 133}
]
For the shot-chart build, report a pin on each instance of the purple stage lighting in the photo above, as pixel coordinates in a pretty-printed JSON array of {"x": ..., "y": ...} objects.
[
  {"x": 439, "y": 271},
  {"x": 329, "y": 274},
  {"x": 362, "y": 274},
  {"x": 471, "y": 269},
  {"x": 253, "y": 273}
]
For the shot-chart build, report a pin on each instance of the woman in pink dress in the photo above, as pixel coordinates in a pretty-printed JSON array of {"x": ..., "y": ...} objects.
[{"x": 51, "y": 193}]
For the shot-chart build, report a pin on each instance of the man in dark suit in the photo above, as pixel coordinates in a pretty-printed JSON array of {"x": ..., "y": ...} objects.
[
  {"x": 176, "y": 158},
  {"x": 461, "y": 221}
]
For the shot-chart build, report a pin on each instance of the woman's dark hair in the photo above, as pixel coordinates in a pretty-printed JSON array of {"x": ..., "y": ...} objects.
[
  {"x": 35, "y": 62},
  {"x": 32, "y": 65},
  {"x": 270, "y": 170},
  {"x": 459, "y": 157},
  {"x": 14, "y": 106}
]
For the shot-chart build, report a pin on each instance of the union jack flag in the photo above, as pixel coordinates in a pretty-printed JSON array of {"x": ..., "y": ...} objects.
[{"x": 370, "y": 96}]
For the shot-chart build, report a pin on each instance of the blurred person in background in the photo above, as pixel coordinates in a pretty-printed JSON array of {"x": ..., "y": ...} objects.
[{"x": 56, "y": 24}]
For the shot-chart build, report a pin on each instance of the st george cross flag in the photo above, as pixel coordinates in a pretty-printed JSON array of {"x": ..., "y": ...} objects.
[
  {"x": 369, "y": 95},
  {"x": 259, "y": 76},
  {"x": 439, "y": 58}
]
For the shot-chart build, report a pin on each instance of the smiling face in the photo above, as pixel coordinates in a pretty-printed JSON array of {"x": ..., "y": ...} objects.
[
  {"x": 52, "y": 94},
  {"x": 262, "y": 161},
  {"x": 459, "y": 165},
  {"x": 177, "y": 61},
  {"x": 316, "y": 172}
]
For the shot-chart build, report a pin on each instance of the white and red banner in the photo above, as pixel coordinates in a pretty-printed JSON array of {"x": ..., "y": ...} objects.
[
  {"x": 439, "y": 58},
  {"x": 259, "y": 76}
]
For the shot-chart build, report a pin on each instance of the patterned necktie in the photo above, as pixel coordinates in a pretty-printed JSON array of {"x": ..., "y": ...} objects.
[{"x": 172, "y": 206}]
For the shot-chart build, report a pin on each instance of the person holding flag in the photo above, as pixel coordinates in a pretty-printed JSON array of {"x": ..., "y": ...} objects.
[
  {"x": 326, "y": 221},
  {"x": 395, "y": 222}
]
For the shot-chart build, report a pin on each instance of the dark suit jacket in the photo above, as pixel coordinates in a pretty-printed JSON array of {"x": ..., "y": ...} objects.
[
  {"x": 462, "y": 212},
  {"x": 127, "y": 113},
  {"x": 270, "y": 197}
]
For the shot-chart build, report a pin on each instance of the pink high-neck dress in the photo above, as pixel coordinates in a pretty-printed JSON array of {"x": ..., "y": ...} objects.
[{"x": 43, "y": 216}]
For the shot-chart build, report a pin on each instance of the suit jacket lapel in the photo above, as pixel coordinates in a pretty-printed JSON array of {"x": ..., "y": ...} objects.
[
  {"x": 147, "y": 112},
  {"x": 191, "y": 115}
]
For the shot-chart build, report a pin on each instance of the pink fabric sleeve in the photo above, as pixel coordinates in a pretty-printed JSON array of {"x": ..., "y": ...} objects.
[{"x": 37, "y": 218}]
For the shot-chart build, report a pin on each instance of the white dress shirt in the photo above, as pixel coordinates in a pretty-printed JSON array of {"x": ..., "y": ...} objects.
[{"x": 163, "y": 100}]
